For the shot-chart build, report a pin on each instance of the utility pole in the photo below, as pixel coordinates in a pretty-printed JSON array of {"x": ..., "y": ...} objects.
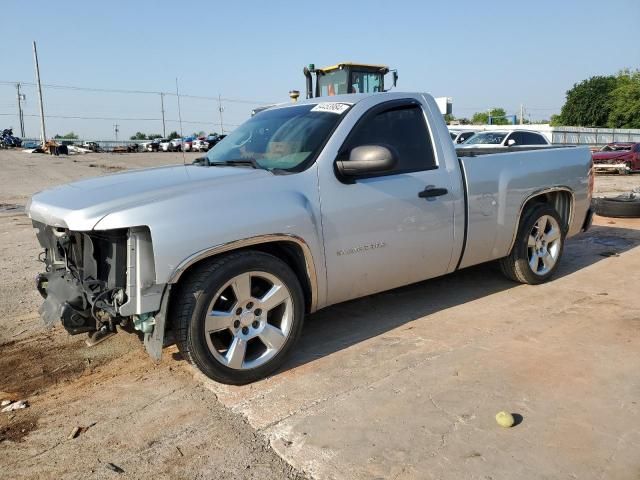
[
  {"x": 164, "y": 129},
  {"x": 116, "y": 130},
  {"x": 20, "y": 113},
  {"x": 521, "y": 114},
  {"x": 220, "y": 109},
  {"x": 43, "y": 135}
]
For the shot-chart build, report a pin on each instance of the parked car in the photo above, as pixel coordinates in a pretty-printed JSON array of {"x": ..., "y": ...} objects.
[
  {"x": 130, "y": 148},
  {"x": 176, "y": 144},
  {"x": 618, "y": 157},
  {"x": 93, "y": 146},
  {"x": 152, "y": 145},
  {"x": 213, "y": 140},
  {"x": 504, "y": 138},
  {"x": 187, "y": 144},
  {"x": 459, "y": 136},
  {"x": 199, "y": 145},
  {"x": 165, "y": 145},
  {"x": 231, "y": 252}
]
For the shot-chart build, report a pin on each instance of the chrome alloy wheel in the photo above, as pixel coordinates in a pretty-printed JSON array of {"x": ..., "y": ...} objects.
[
  {"x": 544, "y": 244},
  {"x": 249, "y": 320}
]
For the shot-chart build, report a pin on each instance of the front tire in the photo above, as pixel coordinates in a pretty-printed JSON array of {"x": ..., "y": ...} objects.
[
  {"x": 237, "y": 316},
  {"x": 538, "y": 247}
]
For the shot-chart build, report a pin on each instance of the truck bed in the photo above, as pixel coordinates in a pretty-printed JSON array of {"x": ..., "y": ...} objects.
[{"x": 499, "y": 182}]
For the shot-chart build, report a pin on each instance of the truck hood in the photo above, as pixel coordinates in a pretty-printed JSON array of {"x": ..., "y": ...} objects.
[{"x": 81, "y": 205}]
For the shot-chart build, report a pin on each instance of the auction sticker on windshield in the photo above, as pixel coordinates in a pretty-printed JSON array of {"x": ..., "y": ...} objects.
[{"x": 331, "y": 107}]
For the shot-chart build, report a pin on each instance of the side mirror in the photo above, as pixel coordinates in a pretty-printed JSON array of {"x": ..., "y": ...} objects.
[
  {"x": 367, "y": 159},
  {"x": 511, "y": 142}
]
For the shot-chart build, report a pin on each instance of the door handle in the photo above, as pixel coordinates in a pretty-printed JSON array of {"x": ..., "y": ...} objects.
[{"x": 431, "y": 191}]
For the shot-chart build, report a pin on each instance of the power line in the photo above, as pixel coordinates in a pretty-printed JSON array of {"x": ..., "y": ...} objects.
[
  {"x": 121, "y": 119},
  {"x": 146, "y": 92}
]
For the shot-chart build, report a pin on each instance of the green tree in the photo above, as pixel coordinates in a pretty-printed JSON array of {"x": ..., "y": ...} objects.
[
  {"x": 151, "y": 136},
  {"x": 480, "y": 118},
  {"x": 67, "y": 136},
  {"x": 138, "y": 136},
  {"x": 624, "y": 101},
  {"x": 589, "y": 103},
  {"x": 448, "y": 118},
  {"x": 173, "y": 135},
  {"x": 556, "y": 121},
  {"x": 498, "y": 117}
]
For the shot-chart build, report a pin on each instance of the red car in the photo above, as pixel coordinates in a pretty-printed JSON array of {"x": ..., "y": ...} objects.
[{"x": 621, "y": 157}]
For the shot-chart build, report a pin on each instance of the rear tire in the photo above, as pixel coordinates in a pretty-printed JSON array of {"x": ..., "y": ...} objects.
[
  {"x": 538, "y": 247},
  {"x": 237, "y": 316}
]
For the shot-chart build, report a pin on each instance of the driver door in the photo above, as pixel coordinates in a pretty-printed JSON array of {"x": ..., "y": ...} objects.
[{"x": 381, "y": 231}]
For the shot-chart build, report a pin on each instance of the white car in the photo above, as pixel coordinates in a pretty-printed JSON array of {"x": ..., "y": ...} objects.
[
  {"x": 460, "y": 136},
  {"x": 165, "y": 145},
  {"x": 176, "y": 144},
  {"x": 199, "y": 145},
  {"x": 504, "y": 138}
]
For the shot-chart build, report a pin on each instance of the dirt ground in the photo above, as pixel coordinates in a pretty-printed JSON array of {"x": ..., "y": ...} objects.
[
  {"x": 151, "y": 421},
  {"x": 403, "y": 384}
]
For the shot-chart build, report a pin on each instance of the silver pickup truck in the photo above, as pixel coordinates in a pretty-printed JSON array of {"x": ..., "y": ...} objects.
[{"x": 303, "y": 206}]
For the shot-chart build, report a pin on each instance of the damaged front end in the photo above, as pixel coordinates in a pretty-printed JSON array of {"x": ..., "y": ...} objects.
[{"x": 97, "y": 280}]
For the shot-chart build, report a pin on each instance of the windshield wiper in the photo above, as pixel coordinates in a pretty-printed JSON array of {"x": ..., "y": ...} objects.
[
  {"x": 251, "y": 162},
  {"x": 205, "y": 162}
]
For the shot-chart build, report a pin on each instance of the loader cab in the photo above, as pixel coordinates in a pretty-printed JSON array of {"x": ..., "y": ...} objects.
[{"x": 347, "y": 78}]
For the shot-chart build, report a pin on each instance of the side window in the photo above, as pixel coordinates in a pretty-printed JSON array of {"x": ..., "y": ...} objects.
[
  {"x": 464, "y": 136},
  {"x": 533, "y": 139},
  {"x": 403, "y": 129},
  {"x": 515, "y": 136},
  {"x": 637, "y": 148}
]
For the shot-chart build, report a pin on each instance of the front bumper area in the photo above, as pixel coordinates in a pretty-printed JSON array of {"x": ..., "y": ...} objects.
[
  {"x": 78, "y": 288},
  {"x": 96, "y": 280},
  {"x": 622, "y": 168}
]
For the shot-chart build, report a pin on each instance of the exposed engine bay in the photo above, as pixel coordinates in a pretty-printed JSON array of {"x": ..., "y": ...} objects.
[{"x": 96, "y": 280}]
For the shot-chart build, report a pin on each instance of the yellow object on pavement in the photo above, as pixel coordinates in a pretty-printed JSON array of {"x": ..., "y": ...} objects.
[{"x": 505, "y": 419}]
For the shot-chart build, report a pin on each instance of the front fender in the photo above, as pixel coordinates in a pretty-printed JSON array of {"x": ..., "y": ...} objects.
[{"x": 190, "y": 227}]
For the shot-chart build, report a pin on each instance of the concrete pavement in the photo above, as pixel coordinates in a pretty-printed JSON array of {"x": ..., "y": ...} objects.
[{"x": 406, "y": 384}]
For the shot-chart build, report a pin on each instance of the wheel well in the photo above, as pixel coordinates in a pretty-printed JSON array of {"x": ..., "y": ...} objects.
[
  {"x": 289, "y": 252},
  {"x": 561, "y": 200}
]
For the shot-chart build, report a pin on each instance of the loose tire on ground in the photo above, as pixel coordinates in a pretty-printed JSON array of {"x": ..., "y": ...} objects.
[
  {"x": 538, "y": 247},
  {"x": 233, "y": 329},
  {"x": 624, "y": 206}
]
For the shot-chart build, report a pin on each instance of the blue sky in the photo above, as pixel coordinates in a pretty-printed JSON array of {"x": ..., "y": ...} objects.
[{"x": 480, "y": 53}]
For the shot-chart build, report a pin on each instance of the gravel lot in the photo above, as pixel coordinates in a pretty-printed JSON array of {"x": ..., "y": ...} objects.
[{"x": 403, "y": 384}]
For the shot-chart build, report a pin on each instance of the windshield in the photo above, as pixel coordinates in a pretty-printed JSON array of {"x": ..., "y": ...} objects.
[
  {"x": 365, "y": 82},
  {"x": 616, "y": 148},
  {"x": 280, "y": 138},
  {"x": 333, "y": 83},
  {"x": 486, "y": 138}
]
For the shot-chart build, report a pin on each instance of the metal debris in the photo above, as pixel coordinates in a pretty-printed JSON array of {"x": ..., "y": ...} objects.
[{"x": 15, "y": 406}]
